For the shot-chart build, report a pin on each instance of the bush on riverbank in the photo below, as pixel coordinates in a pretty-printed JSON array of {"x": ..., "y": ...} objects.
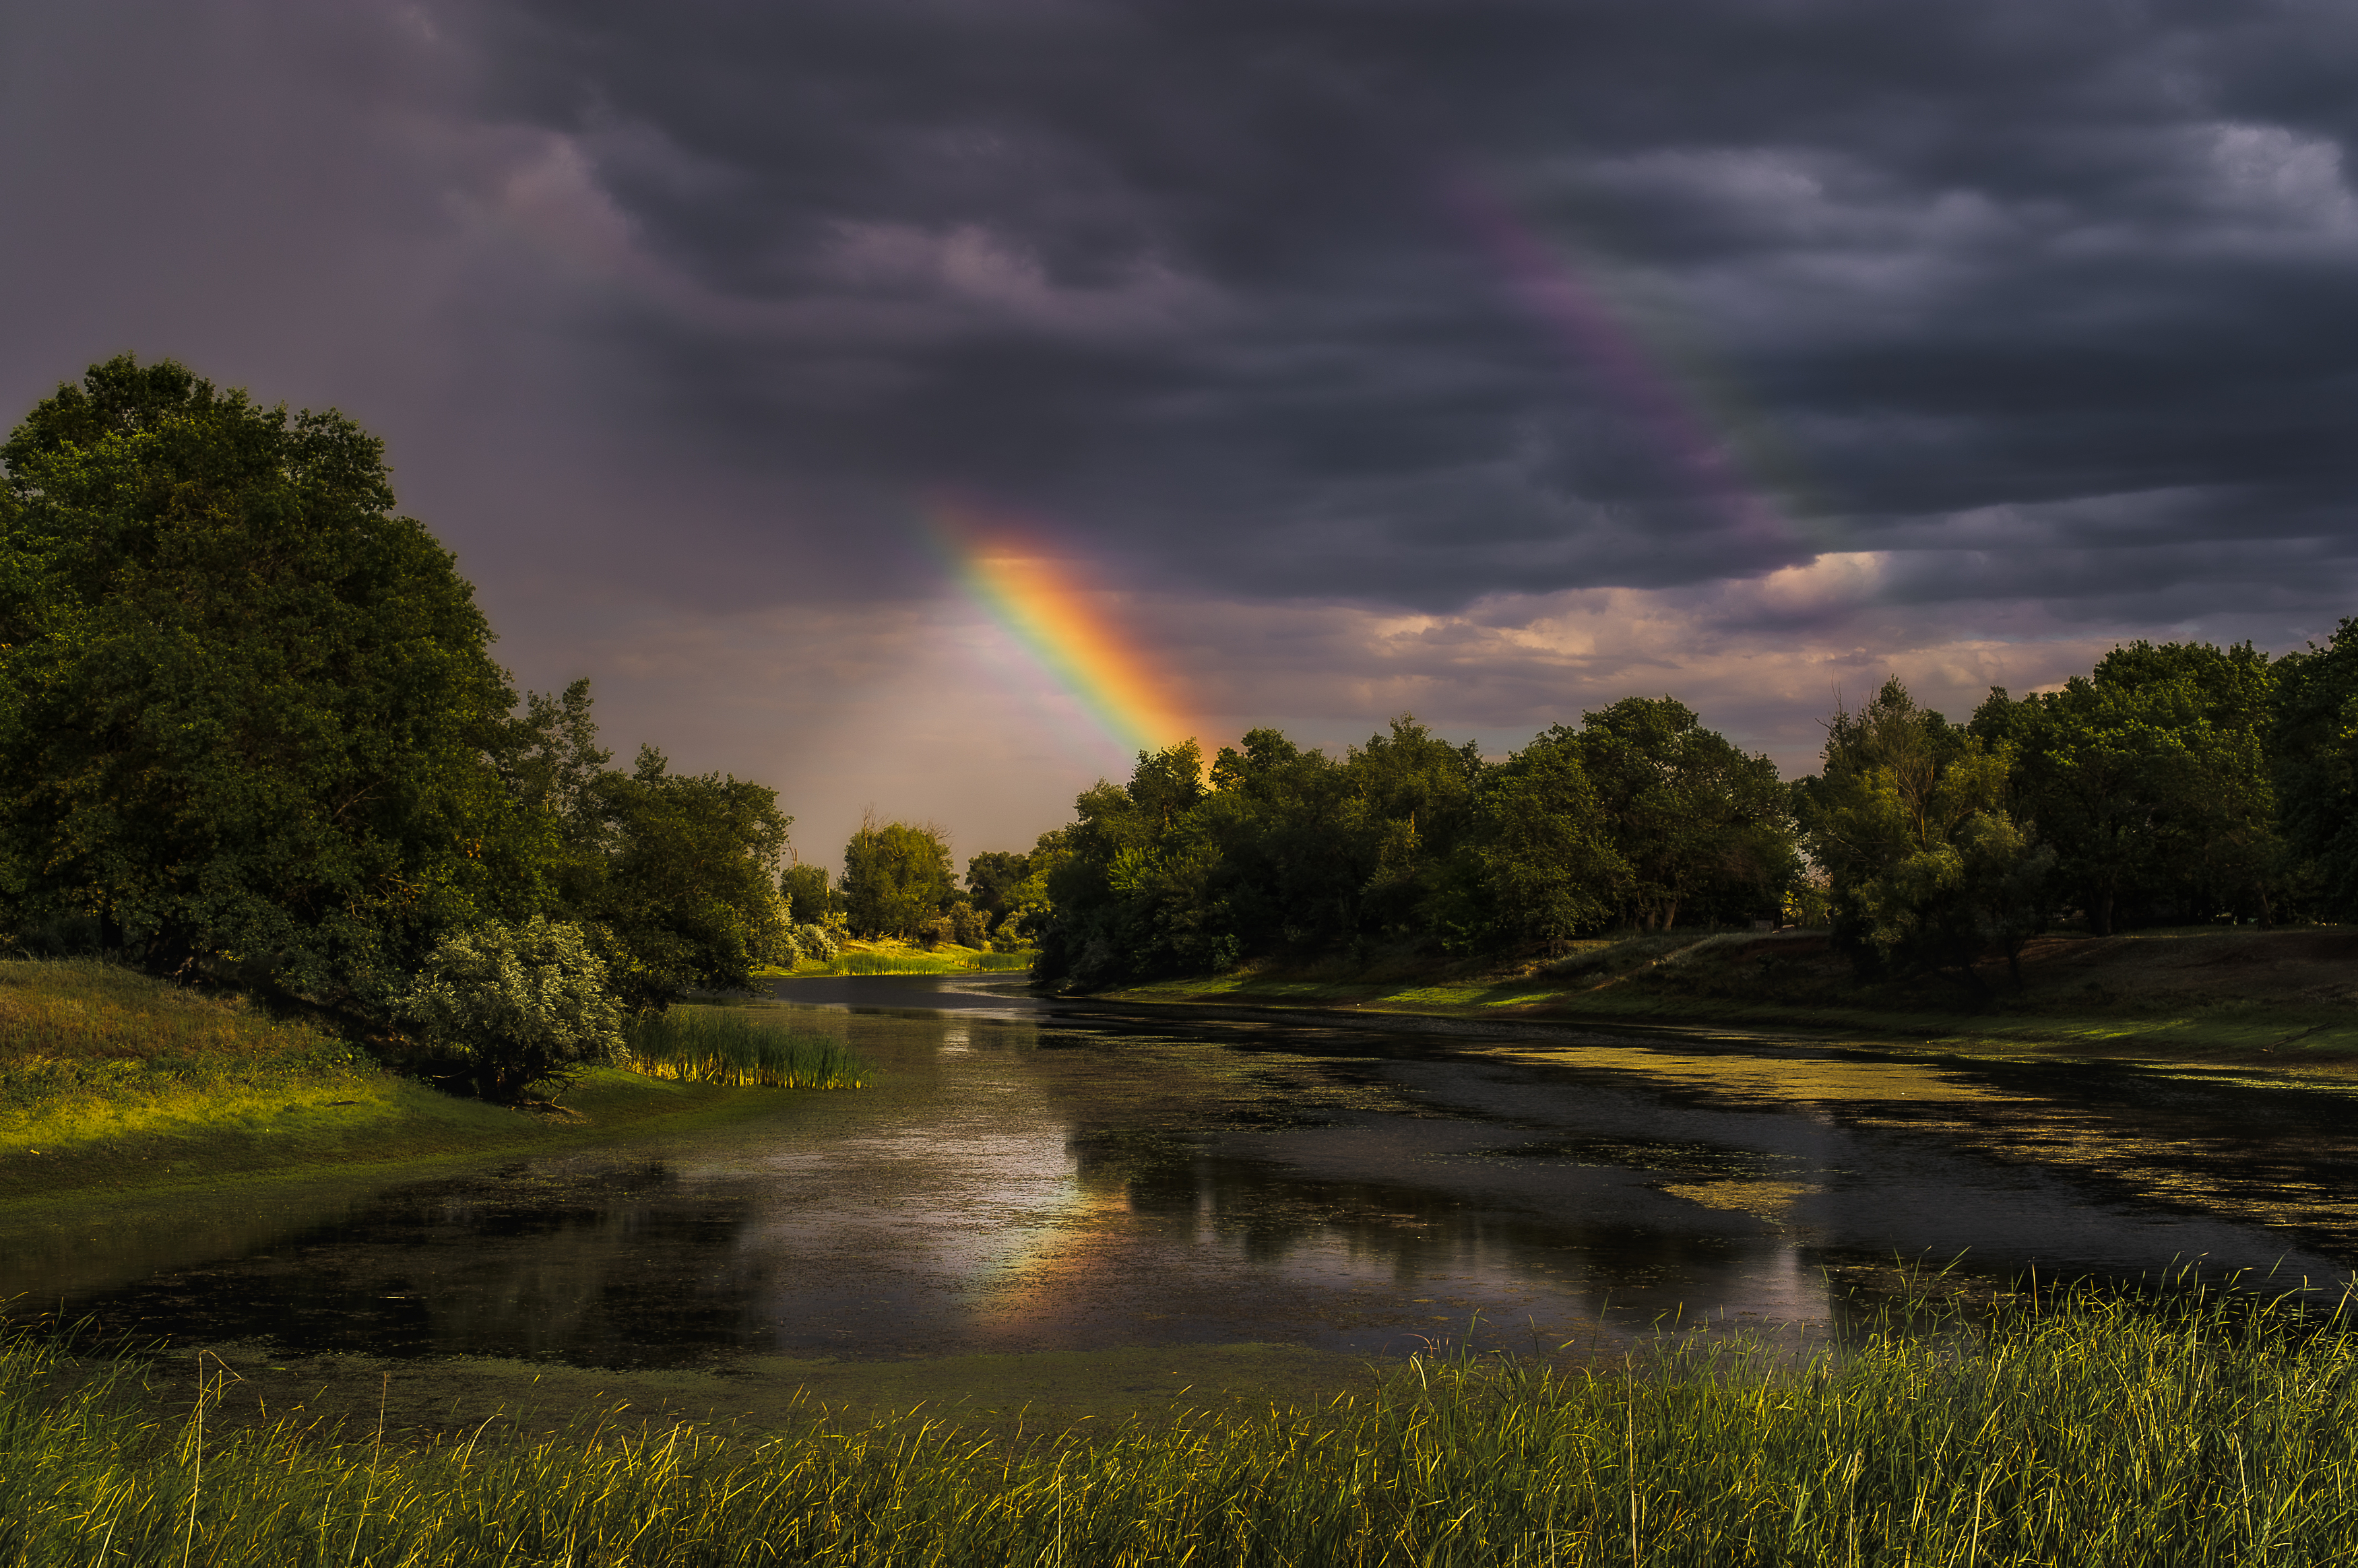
[{"x": 2105, "y": 1433}]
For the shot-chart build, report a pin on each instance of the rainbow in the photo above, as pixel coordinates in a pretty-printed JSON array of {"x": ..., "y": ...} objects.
[
  {"x": 1062, "y": 622},
  {"x": 1593, "y": 332}
]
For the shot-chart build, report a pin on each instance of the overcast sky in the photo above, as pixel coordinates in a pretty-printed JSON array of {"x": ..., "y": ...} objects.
[{"x": 1486, "y": 360}]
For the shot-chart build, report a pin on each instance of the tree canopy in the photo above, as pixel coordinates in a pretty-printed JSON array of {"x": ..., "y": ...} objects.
[
  {"x": 1908, "y": 818},
  {"x": 245, "y": 709},
  {"x": 896, "y": 878},
  {"x": 1409, "y": 842}
]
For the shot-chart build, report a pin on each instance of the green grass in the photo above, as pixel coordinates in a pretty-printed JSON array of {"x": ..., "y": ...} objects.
[
  {"x": 728, "y": 1046},
  {"x": 90, "y": 1050},
  {"x": 2250, "y": 998},
  {"x": 2107, "y": 1433},
  {"x": 896, "y": 960},
  {"x": 111, "y": 1079}
]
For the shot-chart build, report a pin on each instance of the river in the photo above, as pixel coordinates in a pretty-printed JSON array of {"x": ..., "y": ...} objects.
[{"x": 1027, "y": 1175}]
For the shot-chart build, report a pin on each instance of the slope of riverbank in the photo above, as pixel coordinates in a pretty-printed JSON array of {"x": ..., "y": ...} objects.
[
  {"x": 2283, "y": 998},
  {"x": 111, "y": 1079}
]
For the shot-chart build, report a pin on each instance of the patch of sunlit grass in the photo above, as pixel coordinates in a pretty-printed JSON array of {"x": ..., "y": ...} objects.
[
  {"x": 91, "y": 1052},
  {"x": 88, "y": 1009},
  {"x": 895, "y": 960}
]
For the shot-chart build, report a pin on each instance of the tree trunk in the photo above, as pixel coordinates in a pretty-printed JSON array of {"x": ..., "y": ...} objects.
[{"x": 2100, "y": 917}]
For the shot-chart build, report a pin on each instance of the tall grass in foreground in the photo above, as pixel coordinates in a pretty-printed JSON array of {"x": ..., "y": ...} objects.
[
  {"x": 720, "y": 1045},
  {"x": 2106, "y": 1434}
]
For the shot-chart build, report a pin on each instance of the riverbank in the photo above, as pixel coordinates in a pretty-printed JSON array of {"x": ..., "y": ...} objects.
[
  {"x": 2279, "y": 999},
  {"x": 2103, "y": 1433},
  {"x": 111, "y": 1080},
  {"x": 890, "y": 956}
]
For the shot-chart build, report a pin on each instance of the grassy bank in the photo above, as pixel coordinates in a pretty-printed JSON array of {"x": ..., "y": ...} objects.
[
  {"x": 2283, "y": 998},
  {"x": 887, "y": 957},
  {"x": 111, "y": 1079},
  {"x": 2102, "y": 1434}
]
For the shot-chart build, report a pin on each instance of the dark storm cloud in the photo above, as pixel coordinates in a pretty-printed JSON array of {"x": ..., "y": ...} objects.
[
  {"x": 2048, "y": 298},
  {"x": 1185, "y": 279}
]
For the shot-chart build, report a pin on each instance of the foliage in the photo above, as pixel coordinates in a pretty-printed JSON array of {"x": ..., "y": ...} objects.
[
  {"x": 815, "y": 941},
  {"x": 516, "y": 1004},
  {"x": 896, "y": 877},
  {"x": 2316, "y": 763},
  {"x": 1909, "y": 820},
  {"x": 810, "y": 901},
  {"x": 1409, "y": 843},
  {"x": 993, "y": 879},
  {"x": 688, "y": 897},
  {"x": 1699, "y": 826},
  {"x": 2090, "y": 1432},
  {"x": 1030, "y": 905},
  {"x": 960, "y": 925},
  {"x": 244, "y": 709},
  {"x": 2150, "y": 778},
  {"x": 1546, "y": 860}
]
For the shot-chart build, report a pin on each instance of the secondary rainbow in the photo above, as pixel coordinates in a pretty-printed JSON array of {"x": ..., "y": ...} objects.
[
  {"x": 1063, "y": 623},
  {"x": 1593, "y": 333}
]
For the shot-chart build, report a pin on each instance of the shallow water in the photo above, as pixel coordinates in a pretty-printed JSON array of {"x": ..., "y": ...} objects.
[{"x": 1027, "y": 1177}]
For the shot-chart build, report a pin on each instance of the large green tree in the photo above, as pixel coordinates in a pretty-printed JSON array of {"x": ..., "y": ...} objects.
[
  {"x": 993, "y": 879},
  {"x": 1548, "y": 863},
  {"x": 810, "y": 898},
  {"x": 2316, "y": 764},
  {"x": 1701, "y": 828},
  {"x": 896, "y": 877},
  {"x": 688, "y": 899},
  {"x": 2150, "y": 778},
  {"x": 245, "y": 709},
  {"x": 1908, "y": 818}
]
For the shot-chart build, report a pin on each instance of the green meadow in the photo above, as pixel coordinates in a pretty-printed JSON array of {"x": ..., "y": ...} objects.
[
  {"x": 2188, "y": 1432},
  {"x": 110, "y": 1078}
]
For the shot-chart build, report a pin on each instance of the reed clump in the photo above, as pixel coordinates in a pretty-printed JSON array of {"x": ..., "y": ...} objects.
[
  {"x": 733, "y": 1048},
  {"x": 2102, "y": 1433}
]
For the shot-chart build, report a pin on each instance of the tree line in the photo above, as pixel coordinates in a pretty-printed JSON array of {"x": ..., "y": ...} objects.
[
  {"x": 898, "y": 883},
  {"x": 2175, "y": 782},
  {"x": 250, "y": 727}
]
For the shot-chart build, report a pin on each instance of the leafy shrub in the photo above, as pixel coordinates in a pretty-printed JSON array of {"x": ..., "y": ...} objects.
[{"x": 516, "y": 1004}]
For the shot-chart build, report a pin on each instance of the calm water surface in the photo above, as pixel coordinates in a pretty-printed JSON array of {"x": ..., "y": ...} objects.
[{"x": 1024, "y": 1177}]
